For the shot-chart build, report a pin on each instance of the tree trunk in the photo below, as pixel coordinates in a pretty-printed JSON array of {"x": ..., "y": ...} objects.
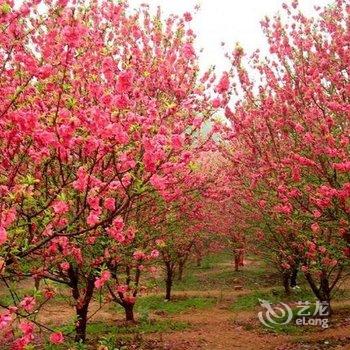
[
  {"x": 285, "y": 281},
  {"x": 323, "y": 293},
  {"x": 129, "y": 312},
  {"x": 82, "y": 311},
  {"x": 199, "y": 261},
  {"x": 80, "y": 328},
  {"x": 168, "y": 290},
  {"x": 168, "y": 281},
  {"x": 236, "y": 262},
  {"x": 241, "y": 258},
  {"x": 293, "y": 277}
]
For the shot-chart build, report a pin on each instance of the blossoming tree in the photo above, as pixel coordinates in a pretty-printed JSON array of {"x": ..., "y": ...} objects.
[
  {"x": 99, "y": 107},
  {"x": 291, "y": 137}
]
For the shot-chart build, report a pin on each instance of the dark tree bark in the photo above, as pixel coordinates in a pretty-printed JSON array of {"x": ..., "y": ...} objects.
[
  {"x": 129, "y": 312},
  {"x": 293, "y": 277},
  {"x": 285, "y": 281},
  {"x": 323, "y": 292},
  {"x": 80, "y": 328},
  {"x": 82, "y": 306},
  {"x": 169, "y": 280},
  {"x": 236, "y": 262}
]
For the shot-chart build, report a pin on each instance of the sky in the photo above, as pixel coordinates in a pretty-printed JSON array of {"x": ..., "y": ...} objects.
[{"x": 228, "y": 21}]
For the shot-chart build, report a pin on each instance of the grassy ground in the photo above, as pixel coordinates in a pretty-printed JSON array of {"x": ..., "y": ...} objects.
[{"x": 213, "y": 307}]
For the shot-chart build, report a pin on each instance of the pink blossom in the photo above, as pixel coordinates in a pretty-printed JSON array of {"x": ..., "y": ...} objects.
[
  {"x": 304, "y": 268},
  {"x": 139, "y": 255},
  {"x": 56, "y": 338},
  {"x": 154, "y": 253},
  {"x": 8, "y": 217},
  {"x": 118, "y": 223},
  {"x": 122, "y": 288},
  {"x": 285, "y": 266},
  {"x": 62, "y": 3},
  {"x": 216, "y": 103},
  {"x": 65, "y": 266},
  {"x": 224, "y": 84},
  {"x": 130, "y": 299},
  {"x": 27, "y": 328},
  {"x": 317, "y": 213},
  {"x": 82, "y": 180},
  {"x": 94, "y": 203},
  {"x": 188, "y": 51},
  {"x": 177, "y": 141},
  {"x": 284, "y": 209},
  {"x": 60, "y": 207},
  {"x": 101, "y": 281},
  {"x": 315, "y": 227},
  {"x": 116, "y": 230},
  {"x": 118, "y": 236},
  {"x": 187, "y": 17},
  {"x": 92, "y": 219},
  {"x": 322, "y": 250},
  {"x": 28, "y": 303},
  {"x": 49, "y": 293},
  {"x": 124, "y": 82},
  {"x": 121, "y": 102},
  {"x": 345, "y": 166},
  {"x": 5, "y": 319},
  {"x": 130, "y": 233},
  {"x": 158, "y": 182},
  {"x": 109, "y": 204},
  {"x": 3, "y": 235},
  {"x": 197, "y": 122}
]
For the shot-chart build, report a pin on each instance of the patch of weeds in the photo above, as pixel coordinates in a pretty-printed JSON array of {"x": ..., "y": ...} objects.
[
  {"x": 341, "y": 294},
  {"x": 177, "y": 305},
  {"x": 290, "y": 328},
  {"x": 150, "y": 326},
  {"x": 209, "y": 261},
  {"x": 66, "y": 345},
  {"x": 274, "y": 296},
  {"x": 189, "y": 282}
]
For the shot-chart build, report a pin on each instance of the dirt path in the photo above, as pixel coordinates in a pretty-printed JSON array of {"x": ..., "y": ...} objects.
[
  {"x": 218, "y": 328},
  {"x": 215, "y": 329}
]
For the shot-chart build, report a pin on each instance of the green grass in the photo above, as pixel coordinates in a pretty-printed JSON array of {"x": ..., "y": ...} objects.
[
  {"x": 274, "y": 296},
  {"x": 189, "y": 282},
  {"x": 177, "y": 305},
  {"x": 213, "y": 276},
  {"x": 99, "y": 331},
  {"x": 211, "y": 260},
  {"x": 145, "y": 327}
]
